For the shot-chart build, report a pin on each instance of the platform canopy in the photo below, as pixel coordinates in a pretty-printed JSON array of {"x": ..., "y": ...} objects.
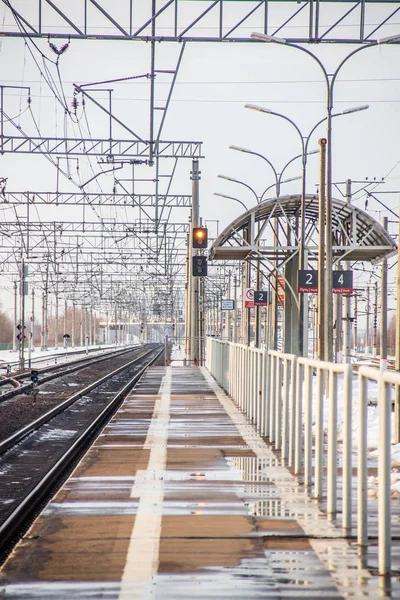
[{"x": 270, "y": 231}]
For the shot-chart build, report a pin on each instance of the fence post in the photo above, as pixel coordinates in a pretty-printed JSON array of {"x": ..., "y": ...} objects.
[
  {"x": 285, "y": 408},
  {"x": 292, "y": 411},
  {"x": 332, "y": 444},
  {"x": 298, "y": 418},
  {"x": 384, "y": 495},
  {"x": 347, "y": 447},
  {"x": 267, "y": 377},
  {"x": 272, "y": 393},
  {"x": 319, "y": 435},
  {"x": 362, "y": 517},
  {"x": 308, "y": 426}
]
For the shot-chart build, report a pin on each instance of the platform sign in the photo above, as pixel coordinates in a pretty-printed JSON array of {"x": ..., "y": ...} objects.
[
  {"x": 281, "y": 290},
  {"x": 307, "y": 282},
  {"x": 260, "y": 298},
  {"x": 227, "y": 304},
  {"x": 249, "y": 298},
  {"x": 342, "y": 282}
]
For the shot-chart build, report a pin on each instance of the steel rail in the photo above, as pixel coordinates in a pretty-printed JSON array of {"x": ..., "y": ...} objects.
[
  {"x": 64, "y": 369},
  {"x": 16, "y": 437},
  {"x": 24, "y": 512}
]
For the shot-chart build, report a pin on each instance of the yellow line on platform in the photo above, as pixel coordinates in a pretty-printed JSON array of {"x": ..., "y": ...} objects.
[{"x": 143, "y": 552}]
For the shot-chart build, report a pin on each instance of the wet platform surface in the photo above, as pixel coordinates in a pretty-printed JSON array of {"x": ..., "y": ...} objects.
[{"x": 179, "y": 498}]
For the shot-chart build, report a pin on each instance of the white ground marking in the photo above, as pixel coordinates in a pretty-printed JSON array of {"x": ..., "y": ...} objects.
[
  {"x": 143, "y": 553},
  {"x": 337, "y": 556}
]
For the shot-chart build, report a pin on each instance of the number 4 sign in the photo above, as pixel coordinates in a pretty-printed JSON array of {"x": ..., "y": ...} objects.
[{"x": 342, "y": 282}]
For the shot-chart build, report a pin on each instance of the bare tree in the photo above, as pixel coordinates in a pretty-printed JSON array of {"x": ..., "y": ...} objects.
[{"x": 6, "y": 328}]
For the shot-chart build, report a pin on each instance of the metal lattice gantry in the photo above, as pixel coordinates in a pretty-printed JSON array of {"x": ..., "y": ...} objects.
[
  {"x": 269, "y": 232},
  {"x": 201, "y": 20},
  {"x": 140, "y": 252}
]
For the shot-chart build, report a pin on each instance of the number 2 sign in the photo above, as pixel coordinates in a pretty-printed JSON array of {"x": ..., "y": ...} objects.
[{"x": 307, "y": 282}]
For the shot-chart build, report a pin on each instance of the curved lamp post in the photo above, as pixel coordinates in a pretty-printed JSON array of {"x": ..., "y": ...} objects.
[
  {"x": 329, "y": 83},
  {"x": 240, "y": 183},
  {"x": 231, "y": 198},
  {"x": 304, "y": 140}
]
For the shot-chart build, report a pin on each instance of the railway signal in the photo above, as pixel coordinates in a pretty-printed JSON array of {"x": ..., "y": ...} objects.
[
  {"x": 200, "y": 237},
  {"x": 199, "y": 266},
  {"x": 21, "y": 329},
  {"x": 35, "y": 376}
]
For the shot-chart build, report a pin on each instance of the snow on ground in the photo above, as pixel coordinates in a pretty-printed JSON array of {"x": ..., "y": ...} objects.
[
  {"x": 373, "y": 431},
  {"x": 11, "y": 357}
]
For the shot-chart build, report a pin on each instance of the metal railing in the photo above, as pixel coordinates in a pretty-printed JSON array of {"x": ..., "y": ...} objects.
[
  {"x": 385, "y": 380},
  {"x": 278, "y": 394}
]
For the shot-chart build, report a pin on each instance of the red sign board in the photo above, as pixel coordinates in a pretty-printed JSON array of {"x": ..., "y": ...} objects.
[{"x": 249, "y": 298}]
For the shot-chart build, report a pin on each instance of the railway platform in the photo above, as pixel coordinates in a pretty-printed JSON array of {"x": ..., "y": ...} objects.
[{"x": 180, "y": 498}]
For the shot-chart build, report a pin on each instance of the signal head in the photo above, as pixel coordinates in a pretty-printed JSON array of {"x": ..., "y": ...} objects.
[{"x": 34, "y": 376}]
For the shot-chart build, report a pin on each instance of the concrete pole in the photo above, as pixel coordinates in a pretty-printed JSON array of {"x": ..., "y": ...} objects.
[
  {"x": 275, "y": 289},
  {"x": 328, "y": 270},
  {"x": 86, "y": 337},
  {"x": 368, "y": 336},
  {"x": 56, "y": 319},
  {"x": 375, "y": 322},
  {"x": 397, "y": 364},
  {"x": 91, "y": 325},
  {"x": 81, "y": 325},
  {"x": 347, "y": 300},
  {"x": 32, "y": 332},
  {"x": 384, "y": 307},
  {"x": 235, "y": 310},
  {"x": 43, "y": 322},
  {"x": 328, "y": 232},
  {"x": 73, "y": 325},
  {"x": 244, "y": 310},
  {"x": 22, "y": 319},
  {"x": 355, "y": 324},
  {"x": 194, "y": 291},
  {"x": 215, "y": 311},
  {"x": 306, "y": 305},
  {"x": 188, "y": 292},
  {"x": 200, "y": 320},
  {"x": 321, "y": 252},
  {"x": 15, "y": 341},
  {"x": 347, "y": 329},
  {"x": 229, "y": 313},
  {"x": 65, "y": 322},
  {"x": 257, "y": 310}
]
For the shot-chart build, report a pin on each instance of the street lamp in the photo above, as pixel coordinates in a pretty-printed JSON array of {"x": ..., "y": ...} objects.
[
  {"x": 247, "y": 151},
  {"x": 241, "y": 183},
  {"x": 289, "y": 180},
  {"x": 329, "y": 82},
  {"x": 231, "y": 198},
  {"x": 304, "y": 140}
]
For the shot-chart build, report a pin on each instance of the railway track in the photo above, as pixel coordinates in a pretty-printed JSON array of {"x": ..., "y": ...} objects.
[
  {"x": 36, "y": 459},
  {"x": 61, "y": 353},
  {"x": 21, "y": 383}
]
